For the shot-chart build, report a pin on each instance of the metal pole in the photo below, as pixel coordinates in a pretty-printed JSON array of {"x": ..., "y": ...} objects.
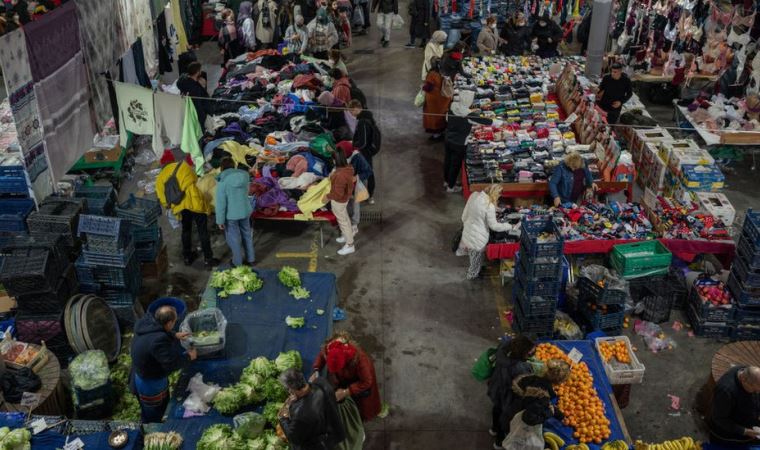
[{"x": 598, "y": 35}]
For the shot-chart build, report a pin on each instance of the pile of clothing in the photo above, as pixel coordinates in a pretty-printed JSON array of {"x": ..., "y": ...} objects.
[{"x": 720, "y": 113}]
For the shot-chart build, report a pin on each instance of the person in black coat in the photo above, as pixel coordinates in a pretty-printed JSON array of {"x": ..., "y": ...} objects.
[
  {"x": 364, "y": 139},
  {"x": 547, "y": 34},
  {"x": 451, "y": 63},
  {"x": 193, "y": 84},
  {"x": 517, "y": 36},
  {"x": 310, "y": 417},
  {"x": 584, "y": 31},
  {"x": 419, "y": 22},
  {"x": 534, "y": 394},
  {"x": 735, "y": 415},
  {"x": 156, "y": 352},
  {"x": 511, "y": 362}
]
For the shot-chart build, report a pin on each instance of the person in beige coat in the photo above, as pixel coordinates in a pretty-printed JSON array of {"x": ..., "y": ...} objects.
[
  {"x": 434, "y": 49},
  {"x": 488, "y": 40},
  {"x": 265, "y": 13}
]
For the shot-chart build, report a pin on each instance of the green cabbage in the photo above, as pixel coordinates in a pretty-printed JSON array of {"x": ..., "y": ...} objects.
[
  {"x": 288, "y": 360},
  {"x": 295, "y": 322},
  {"x": 271, "y": 411},
  {"x": 262, "y": 366},
  {"x": 235, "y": 281},
  {"x": 289, "y": 277},
  {"x": 260, "y": 443},
  {"x": 229, "y": 400},
  {"x": 249, "y": 425},
  {"x": 300, "y": 293},
  {"x": 18, "y": 439},
  {"x": 252, "y": 379},
  {"x": 274, "y": 391},
  {"x": 220, "y": 437},
  {"x": 89, "y": 370}
]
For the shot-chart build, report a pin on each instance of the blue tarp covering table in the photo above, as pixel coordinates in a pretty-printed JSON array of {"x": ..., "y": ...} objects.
[
  {"x": 603, "y": 389},
  {"x": 255, "y": 328}
]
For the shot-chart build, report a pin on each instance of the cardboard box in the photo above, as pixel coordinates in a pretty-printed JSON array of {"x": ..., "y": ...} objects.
[
  {"x": 682, "y": 145},
  {"x": 6, "y": 303},
  {"x": 717, "y": 205},
  {"x": 654, "y": 136},
  {"x": 96, "y": 155}
]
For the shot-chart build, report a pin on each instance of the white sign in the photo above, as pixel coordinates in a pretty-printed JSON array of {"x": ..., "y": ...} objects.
[
  {"x": 571, "y": 118},
  {"x": 38, "y": 426},
  {"x": 76, "y": 444},
  {"x": 30, "y": 399},
  {"x": 575, "y": 356}
]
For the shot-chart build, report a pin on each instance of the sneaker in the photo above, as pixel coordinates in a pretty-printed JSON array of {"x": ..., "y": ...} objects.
[
  {"x": 452, "y": 190},
  {"x": 347, "y": 250},
  {"x": 497, "y": 446},
  {"x": 409, "y": 45},
  {"x": 371, "y": 200},
  {"x": 386, "y": 43},
  {"x": 340, "y": 240},
  {"x": 211, "y": 263},
  {"x": 492, "y": 432}
]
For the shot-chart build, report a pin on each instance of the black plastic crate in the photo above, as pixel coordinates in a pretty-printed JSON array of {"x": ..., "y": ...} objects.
[
  {"x": 88, "y": 398},
  {"x": 657, "y": 305},
  {"x": 51, "y": 302},
  {"x": 747, "y": 316},
  {"x": 113, "y": 227},
  {"x": 139, "y": 211},
  {"x": 603, "y": 317},
  {"x": 679, "y": 295},
  {"x": 750, "y": 253},
  {"x": 120, "y": 259},
  {"x": 29, "y": 272},
  {"x": 536, "y": 305},
  {"x": 546, "y": 289},
  {"x": 751, "y": 227},
  {"x": 707, "y": 311},
  {"x": 54, "y": 242},
  {"x": 532, "y": 247},
  {"x": 148, "y": 251},
  {"x": 588, "y": 290},
  {"x": 743, "y": 295},
  {"x": 106, "y": 244},
  {"x": 540, "y": 269},
  {"x": 636, "y": 286},
  {"x": 151, "y": 233},
  {"x": 748, "y": 275},
  {"x": 58, "y": 216},
  {"x": 746, "y": 333},
  {"x": 706, "y": 328},
  {"x": 112, "y": 276},
  {"x": 542, "y": 323},
  {"x": 13, "y": 214},
  {"x": 101, "y": 200}
]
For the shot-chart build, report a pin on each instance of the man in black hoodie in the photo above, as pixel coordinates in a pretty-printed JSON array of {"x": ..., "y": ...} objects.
[
  {"x": 194, "y": 84},
  {"x": 156, "y": 352},
  {"x": 366, "y": 138}
]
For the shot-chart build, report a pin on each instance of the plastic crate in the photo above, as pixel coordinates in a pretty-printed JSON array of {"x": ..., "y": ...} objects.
[
  {"x": 139, "y": 211},
  {"x": 748, "y": 275},
  {"x": 599, "y": 320},
  {"x": 107, "y": 244},
  {"x": 546, "y": 289},
  {"x": 744, "y": 296},
  {"x": 746, "y": 316},
  {"x": 51, "y": 302},
  {"x": 57, "y": 216},
  {"x": 541, "y": 323},
  {"x": 14, "y": 186},
  {"x": 541, "y": 269},
  {"x": 104, "y": 226},
  {"x": 120, "y": 259},
  {"x": 125, "y": 314},
  {"x": 13, "y": 213},
  {"x": 12, "y": 171},
  {"x": 746, "y": 333},
  {"x": 657, "y": 305},
  {"x": 55, "y": 243},
  {"x": 751, "y": 227},
  {"x": 706, "y": 310},
  {"x": 536, "y": 305},
  {"x": 150, "y": 233},
  {"x": 531, "y": 247},
  {"x": 29, "y": 272},
  {"x": 640, "y": 259},
  {"x": 93, "y": 397},
  {"x": 110, "y": 276},
  {"x": 706, "y": 328},
  {"x": 617, "y": 372},
  {"x": 679, "y": 296},
  {"x": 745, "y": 249},
  {"x": 101, "y": 200},
  {"x": 148, "y": 251},
  {"x": 588, "y": 290}
]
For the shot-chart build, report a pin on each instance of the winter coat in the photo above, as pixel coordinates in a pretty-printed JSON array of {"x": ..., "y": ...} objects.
[
  {"x": 265, "y": 34},
  {"x": 419, "y": 14},
  {"x": 297, "y": 39},
  {"x": 488, "y": 41},
  {"x": 432, "y": 50},
  {"x": 436, "y": 105},
  {"x": 561, "y": 182},
  {"x": 505, "y": 371},
  {"x": 533, "y": 396},
  {"x": 248, "y": 34},
  {"x": 358, "y": 376},
  {"x": 342, "y": 90},
  {"x": 450, "y": 67},
  {"x": 517, "y": 40},
  {"x": 478, "y": 218},
  {"x": 193, "y": 200},
  {"x": 232, "y": 201},
  {"x": 342, "y": 184},
  {"x": 363, "y": 135},
  {"x": 188, "y": 86},
  {"x": 385, "y": 6},
  {"x": 314, "y": 422},
  {"x": 544, "y": 34},
  {"x": 362, "y": 169},
  {"x": 321, "y": 37},
  {"x": 155, "y": 352}
]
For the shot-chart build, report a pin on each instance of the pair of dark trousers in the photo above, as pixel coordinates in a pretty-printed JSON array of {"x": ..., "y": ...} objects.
[
  {"x": 201, "y": 223},
  {"x": 452, "y": 162}
]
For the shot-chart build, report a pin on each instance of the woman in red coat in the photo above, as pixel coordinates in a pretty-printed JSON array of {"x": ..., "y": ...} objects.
[{"x": 351, "y": 371}]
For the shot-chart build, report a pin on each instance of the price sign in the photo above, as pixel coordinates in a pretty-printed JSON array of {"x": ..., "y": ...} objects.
[
  {"x": 30, "y": 399},
  {"x": 76, "y": 444},
  {"x": 575, "y": 355},
  {"x": 38, "y": 426}
]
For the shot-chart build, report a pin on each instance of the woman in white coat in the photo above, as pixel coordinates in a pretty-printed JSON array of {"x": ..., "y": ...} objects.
[
  {"x": 478, "y": 218},
  {"x": 434, "y": 49}
]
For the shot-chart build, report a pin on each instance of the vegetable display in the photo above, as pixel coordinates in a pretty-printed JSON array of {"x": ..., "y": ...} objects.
[
  {"x": 235, "y": 281},
  {"x": 89, "y": 370},
  {"x": 300, "y": 293},
  {"x": 163, "y": 441},
  {"x": 203, "y": 338},
  {"x": 295, "y": 322},
  {"x": 271, "y": 411},
  {"x": 289, "y": 277},
  {"x": 288, "y": 360},
  {"x": 18, "y": 439},
  {"x": 222, "y": 437}
]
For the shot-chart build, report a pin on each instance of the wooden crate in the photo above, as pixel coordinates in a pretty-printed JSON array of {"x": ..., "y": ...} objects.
[{"x": 159, "y": 267}]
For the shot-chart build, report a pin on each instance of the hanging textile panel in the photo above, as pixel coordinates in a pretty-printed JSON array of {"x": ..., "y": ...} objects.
[
  {"x": 135, "y": 18},
  {"x": 135, "y": 110},
  {"x": 52, "y": 40},
  {"x": 103, "y": 42},
  {"x": 63, "y": 99},
  {"x": 14, "y": 60}
]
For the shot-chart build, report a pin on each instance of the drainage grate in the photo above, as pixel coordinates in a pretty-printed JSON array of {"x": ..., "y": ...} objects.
[
  {"x": 371, "y": 216},
  {"x": 364, "y": 52}
]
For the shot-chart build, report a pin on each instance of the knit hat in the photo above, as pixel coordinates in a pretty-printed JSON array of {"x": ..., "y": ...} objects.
[
  {"x": 347, "y": 147},
  {"x": 326, "y": 98},
  {"x": 339, "y": 353},
  {"x": 167, "y": 157}
]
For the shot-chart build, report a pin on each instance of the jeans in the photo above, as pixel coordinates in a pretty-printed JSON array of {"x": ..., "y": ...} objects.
[
  {"x": 476, "y": 263},
  {"x": 387, "y": 23},
  {"x": 238, "y": 234},
  {"x": 452, "y": 162},
  {"x": 201, "y": 223},
  {"x": 370, "y": 183},
  {"x": 344, "y": 221},
  {"x": 354, "y": 210}
]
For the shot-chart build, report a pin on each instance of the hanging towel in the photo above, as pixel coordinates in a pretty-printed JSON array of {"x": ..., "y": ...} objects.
[
  {"x": 170, "y": 114},
  {"x": 52, "y": 40},
  {"x": 191, "y": 135},
  {"x": 127, "y": 70},
  {"x": 311, "y": 200},
  {"x": 14, "y": 60},
  {"x": 136, "y": 112},
  {"x": 174, "y": 20}
]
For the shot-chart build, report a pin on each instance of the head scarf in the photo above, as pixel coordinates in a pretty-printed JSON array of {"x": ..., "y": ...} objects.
[
  {"x": 326, "y": 98},
  {"x": 347, "y": 147},
  {"x": 439, "y": 37},
  {"x": 322, "y": 17},
  {"x": 339, "y": 353},
  {"x": 244, "y": 12},
  {"x": 299, "y": 20}
]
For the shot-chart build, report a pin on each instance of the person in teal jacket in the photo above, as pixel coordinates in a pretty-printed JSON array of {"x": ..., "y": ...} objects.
[{"x": 233, "y": 211}]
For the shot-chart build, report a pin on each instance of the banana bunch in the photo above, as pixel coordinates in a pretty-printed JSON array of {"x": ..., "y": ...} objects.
[
  {"x": 615, "y": 445},
  {"x": 580, "y": 446},
  {"x": 555, "y": 442},
  {"x": 685, "y": 443}
]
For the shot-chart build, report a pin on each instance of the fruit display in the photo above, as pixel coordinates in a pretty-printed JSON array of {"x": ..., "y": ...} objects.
[
  {"x": 553, "y": 441},
  {"x": 717, "y": 294},
  {"x": 615, "y": 445},
  {"x": 618, "y": 350},
  {"x": 578, "y": 400},
  {"x": 685, "y": 443}
]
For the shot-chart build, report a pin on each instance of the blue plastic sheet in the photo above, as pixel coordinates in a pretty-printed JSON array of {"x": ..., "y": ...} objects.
[
  {"x": 603, "y": 389},
  {"x": 255, "y": 328}
]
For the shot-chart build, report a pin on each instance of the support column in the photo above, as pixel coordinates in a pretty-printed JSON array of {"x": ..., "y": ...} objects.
[{"x": 598, "y": 35}]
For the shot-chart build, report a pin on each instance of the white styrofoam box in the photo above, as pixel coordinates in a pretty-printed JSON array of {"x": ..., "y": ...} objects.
[
  {"x": 668, "y": 147},
  {"x": 717, "y": 205},
  {"x": 694, "y": 156}
]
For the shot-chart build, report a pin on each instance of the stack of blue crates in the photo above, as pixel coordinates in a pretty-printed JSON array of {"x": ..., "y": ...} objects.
[
  {"x": 744, "y": 281},
  {"x": 538, "y": 277},
  {"x": 108, "y": 265},
  {"x": 602, "y": 307},
  {"x": 143, "y": 214},
  {"x": 15, "y": 204}
]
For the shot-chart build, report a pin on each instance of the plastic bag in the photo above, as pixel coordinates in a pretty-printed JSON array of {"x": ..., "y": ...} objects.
[
  {"x": 398, "y": 22},
  {"x": 419, "y": 99},
  {"x": 598, "y": 273},
  {"x": 483, "y": 367},
  {"x": 146, "y": 158},
  {"x": 200, "y": 396},
  {"x": 654, "y": 338},
  {"x": 200, "y": 323},
  {"x": 523, "y": 436},
  {"x": 172, "y": 219},
  {"x": 249, "y": 425},
  {"x": 566, "y": 327},
  {"x": 381, "y": 21}
]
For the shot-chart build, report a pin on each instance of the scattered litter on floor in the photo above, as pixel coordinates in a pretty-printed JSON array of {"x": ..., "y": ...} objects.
[
  {"x": 384, "y": 411},
  {"x": 338, "y": 314},
  {"x": 675, "y": 402},
  {"x": 677, "y": 325}
]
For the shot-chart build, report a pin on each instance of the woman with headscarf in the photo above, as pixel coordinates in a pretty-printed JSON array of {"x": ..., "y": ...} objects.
[
  {"x": 547, "y": 34},
  {"x": 436, "y": 104},
  {"x": 352, "y": 373},
  {"x": 229, "y": 44},
  {"x": 516, "y": 35},
  {"x": 265, "y": 15},
  {"x": 478, "y": 219},
  {"x": 296, "y": 36},
  {"x": 322, "y": 35},
  {"x": 433, "y": 49},
  {"x": 246, "y": 27},
  {"x": 458, "y": 126}
]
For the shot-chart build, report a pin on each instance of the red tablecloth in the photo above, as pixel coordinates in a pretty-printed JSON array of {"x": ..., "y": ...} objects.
[
  {"x": 684, "y": 249},
  {"x": 324, "y": 216}
]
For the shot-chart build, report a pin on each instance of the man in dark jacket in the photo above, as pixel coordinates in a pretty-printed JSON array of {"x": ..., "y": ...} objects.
[
  {"x": 194, "y": 84},
  {"x": 459, "y": 123},
  {"x": 517, "y": 36},
  {"x": 614, "y": 90},
  {"x": 419, "y": 22},
  {"x": 388, "y": 9},
  {"x": 547, "y": 35},
  {"x": 365, "y": 140},
  {"x": 735, "y": 416},
  {"x": 310, "y": 417},
  {"x": 156, "y": 352}
]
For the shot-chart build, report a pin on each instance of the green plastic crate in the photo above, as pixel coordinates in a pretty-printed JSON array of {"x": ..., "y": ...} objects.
[{"x": 640, "y": 259}]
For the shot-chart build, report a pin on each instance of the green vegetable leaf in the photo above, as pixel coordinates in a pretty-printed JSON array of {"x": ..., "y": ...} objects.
[
  {"x": 289, "y": 277},
  {"x": 295, "y": 322},
  {"x": 300, "y": 293},
  {"x": 288, "y": 360}
]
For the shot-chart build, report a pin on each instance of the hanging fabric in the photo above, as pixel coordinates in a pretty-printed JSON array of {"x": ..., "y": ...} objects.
[
  {"x": 135, "y": 18},
  {"x": 164, "y": 51},
  {"x": 191, "y": 136},
  {"x": 52, "y": 40},
  {"x": 170, "y": 116},
  {"x": 136, "y": 112},
  {"x": 174, "y": 20}
]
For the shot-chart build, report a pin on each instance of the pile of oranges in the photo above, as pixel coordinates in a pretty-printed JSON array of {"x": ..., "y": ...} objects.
[
  {"x": 618, "y": 349},
  {"x": 578, "y": 400}
]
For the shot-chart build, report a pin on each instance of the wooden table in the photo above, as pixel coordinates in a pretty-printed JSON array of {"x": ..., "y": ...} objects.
[
  {"x": 53, "y": 400},
  {"x": 742, "y": 353}
]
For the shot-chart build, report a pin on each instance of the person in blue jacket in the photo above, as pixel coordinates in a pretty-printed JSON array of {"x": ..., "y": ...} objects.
[
  {"x": 233, "y": 211},
  {"x": 570, "y": 180}
]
